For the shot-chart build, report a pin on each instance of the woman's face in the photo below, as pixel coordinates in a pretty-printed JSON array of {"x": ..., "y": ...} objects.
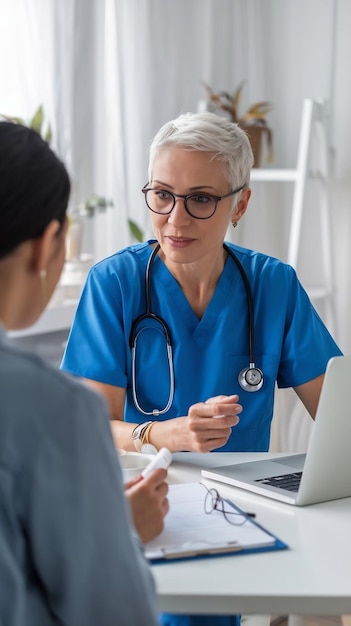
[{"x": 183, "y": 238}]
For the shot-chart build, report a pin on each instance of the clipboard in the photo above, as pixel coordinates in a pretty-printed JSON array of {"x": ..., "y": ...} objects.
[{"x": 190, "y": 532}]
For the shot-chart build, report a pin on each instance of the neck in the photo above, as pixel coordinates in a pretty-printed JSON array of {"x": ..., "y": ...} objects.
[
  {"x": 198, "y": 280},
  {"x": 18, "y": 301}
]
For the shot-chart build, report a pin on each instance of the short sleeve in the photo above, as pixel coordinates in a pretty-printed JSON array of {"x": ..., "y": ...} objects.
[
  {"x": 96, "y": 346},
  {"x": 307, "y": 344}
]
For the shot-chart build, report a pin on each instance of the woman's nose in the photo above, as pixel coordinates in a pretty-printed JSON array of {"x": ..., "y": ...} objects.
[{"x": 179, "y": 214}]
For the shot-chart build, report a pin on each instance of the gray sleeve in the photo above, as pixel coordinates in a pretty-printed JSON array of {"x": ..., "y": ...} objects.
[{"x": 89, "y": 561}]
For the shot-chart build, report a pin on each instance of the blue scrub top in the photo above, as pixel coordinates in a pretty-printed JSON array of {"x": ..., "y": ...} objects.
[{"x": 292, "y": 345}]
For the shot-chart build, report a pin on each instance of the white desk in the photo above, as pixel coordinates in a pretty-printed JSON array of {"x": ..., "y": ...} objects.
[{"x": 313, "y": 577}]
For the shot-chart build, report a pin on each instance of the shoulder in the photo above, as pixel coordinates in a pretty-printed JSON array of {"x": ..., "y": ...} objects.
[
  {"x": 50, "y": 423},
  {"x": 120, "y": 271},
  {"x": 127, "y": 259},
  {"x": 46, "y": 393},
  {"x": 262, "y": 266}
]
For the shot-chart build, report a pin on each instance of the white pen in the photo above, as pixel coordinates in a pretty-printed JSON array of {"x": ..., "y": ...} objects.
[{"x": 162, "y": 459}]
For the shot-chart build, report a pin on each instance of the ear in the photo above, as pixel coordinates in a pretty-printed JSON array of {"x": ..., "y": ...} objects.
[
  {"x": 240, "y": 208},
  {"x": 45, "y": 246}
]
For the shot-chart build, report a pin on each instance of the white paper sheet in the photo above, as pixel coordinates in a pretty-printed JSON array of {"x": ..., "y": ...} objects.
[{"x": 189, "y": 531}]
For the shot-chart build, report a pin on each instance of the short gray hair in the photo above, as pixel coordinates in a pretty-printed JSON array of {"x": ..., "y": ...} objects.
[{"x": 208, "y": 132}]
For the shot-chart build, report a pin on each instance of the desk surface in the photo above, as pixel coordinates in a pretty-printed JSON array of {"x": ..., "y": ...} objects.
[{"x": 312, "y": 577}]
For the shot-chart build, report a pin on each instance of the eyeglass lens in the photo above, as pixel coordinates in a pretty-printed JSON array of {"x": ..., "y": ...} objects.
[
  {"x": 214, "y": 502},
  {"x": 198, "y": 205}
]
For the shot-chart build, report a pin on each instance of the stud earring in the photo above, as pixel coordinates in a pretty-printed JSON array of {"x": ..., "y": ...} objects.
[{"x": 234, "y": 224}]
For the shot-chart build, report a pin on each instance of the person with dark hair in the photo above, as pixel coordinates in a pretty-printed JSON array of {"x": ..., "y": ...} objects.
[
  {"x": 68, "y": 551},
  {"x": 187, "y": 335}
]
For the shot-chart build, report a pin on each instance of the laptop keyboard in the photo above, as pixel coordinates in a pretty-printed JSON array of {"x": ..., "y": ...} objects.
[{"x": 290, "y": 482}]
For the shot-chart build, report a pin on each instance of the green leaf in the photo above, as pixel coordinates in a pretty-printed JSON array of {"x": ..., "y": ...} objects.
[
  {"x": 36, "y": 122},
  {"x": 48, "y": 135},
  {"x": 14, "y": 120},
  {"x": 136, "y": 231}
]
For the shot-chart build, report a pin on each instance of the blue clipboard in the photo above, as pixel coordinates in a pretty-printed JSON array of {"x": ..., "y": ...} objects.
[{"x": 198, "y": 529}]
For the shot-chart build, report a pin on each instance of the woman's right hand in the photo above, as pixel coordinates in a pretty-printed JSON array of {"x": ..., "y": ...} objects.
[{"x": 148, "y": 502}]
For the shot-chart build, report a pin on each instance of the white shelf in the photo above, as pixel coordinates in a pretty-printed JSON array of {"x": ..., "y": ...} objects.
[
  {"x": 312, "y": 163},
  {"x": 318, "y": 293},
  {"x": 54, "y": 318},
  {"x": 273, "y": 175}
]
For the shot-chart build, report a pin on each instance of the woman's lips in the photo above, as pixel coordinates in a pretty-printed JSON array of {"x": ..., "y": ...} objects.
[{"x": 179, "y": 242}]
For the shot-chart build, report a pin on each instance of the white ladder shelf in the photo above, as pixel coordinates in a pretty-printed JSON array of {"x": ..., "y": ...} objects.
[{"x": 312, "y": 163}]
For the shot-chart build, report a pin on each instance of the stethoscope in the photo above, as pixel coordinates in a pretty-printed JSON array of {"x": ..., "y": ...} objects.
[{"x": 250, "y": 378}]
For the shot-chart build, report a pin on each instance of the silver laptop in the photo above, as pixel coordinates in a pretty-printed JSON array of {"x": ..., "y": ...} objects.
[{"x": 324, "y": 472}]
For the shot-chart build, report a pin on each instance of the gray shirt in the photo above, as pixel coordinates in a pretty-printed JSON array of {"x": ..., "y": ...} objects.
[{"x": 67, "y": 552}]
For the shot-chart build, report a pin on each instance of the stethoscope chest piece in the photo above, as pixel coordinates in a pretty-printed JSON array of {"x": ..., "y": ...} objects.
[{"x": 251, "y": 378}]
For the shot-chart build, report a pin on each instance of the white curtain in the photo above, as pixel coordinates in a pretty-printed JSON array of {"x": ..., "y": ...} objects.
[{"x": 26, "y": 52}]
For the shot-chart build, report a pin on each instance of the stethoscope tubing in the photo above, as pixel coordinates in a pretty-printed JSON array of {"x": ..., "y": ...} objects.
[
  {"x": 133, "y": 337},
  {"x": 250, "y": 378}
]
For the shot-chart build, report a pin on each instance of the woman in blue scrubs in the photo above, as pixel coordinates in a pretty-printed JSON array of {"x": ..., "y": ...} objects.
[{"x": 166, "y": 375}]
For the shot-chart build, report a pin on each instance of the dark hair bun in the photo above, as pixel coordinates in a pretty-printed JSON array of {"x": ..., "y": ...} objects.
[{"x": 34, "y": 186}]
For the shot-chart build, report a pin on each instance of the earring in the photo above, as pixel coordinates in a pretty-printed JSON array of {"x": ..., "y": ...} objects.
[
  {"x": 43, "y": 275},
  {"x": 234, "y": 224}
]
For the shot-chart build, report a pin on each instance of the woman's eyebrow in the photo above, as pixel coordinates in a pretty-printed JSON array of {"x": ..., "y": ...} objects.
[
  {"x": 201, "y": 187},
  {"x": 160, "y": 182},
  {"x": 196, "y": 188}
]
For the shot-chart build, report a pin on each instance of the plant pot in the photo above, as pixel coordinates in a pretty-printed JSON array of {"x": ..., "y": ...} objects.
[{"x": 260, "y": 137}]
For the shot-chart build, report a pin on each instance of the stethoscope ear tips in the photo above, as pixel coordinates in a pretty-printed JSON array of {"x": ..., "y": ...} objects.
[{"x": 251, "y": 379}]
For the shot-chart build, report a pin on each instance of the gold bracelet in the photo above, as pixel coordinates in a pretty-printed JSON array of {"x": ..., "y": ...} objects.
[
  {"x": 139, "y": 433},
  {"x": 145, "y": 437}
]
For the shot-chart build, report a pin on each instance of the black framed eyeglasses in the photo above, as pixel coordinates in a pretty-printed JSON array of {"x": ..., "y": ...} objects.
[
  {"x": 199, "y": 205},
  {"x": 215, "y": 502}
]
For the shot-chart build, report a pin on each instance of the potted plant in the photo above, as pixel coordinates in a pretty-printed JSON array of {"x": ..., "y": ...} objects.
[{"x": 253, "y": 121}]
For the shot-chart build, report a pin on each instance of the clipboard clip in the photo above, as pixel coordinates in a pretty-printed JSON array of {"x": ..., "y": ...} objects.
[{"x": 196, "y": 548}]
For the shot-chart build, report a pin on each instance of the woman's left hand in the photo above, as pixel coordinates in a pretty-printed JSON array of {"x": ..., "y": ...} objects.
[
  {"x": 210, "y": 423},
  {"x": 148, "y": 502}
]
